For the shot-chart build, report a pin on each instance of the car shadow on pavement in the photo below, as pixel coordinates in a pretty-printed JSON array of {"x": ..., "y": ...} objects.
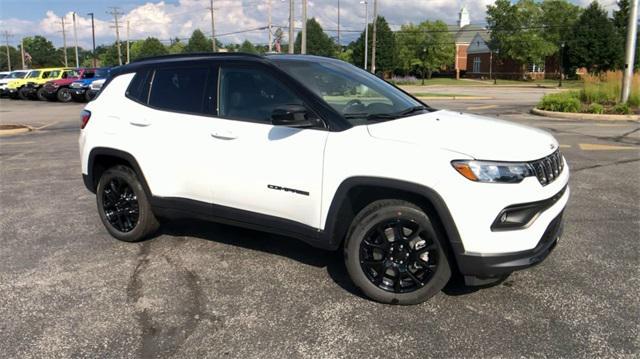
[{"x": 288, "y": 247}]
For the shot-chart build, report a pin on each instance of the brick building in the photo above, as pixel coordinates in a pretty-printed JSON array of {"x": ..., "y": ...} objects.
[{"x": 464, "y": 34}]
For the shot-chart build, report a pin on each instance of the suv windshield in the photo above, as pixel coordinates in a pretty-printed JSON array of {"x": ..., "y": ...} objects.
[
  {"x": 17, "y": 75},
  {"x": 358, "y": 95},
  {"x": 102, "y": 72},
  {"x": 33, "y": 74}
]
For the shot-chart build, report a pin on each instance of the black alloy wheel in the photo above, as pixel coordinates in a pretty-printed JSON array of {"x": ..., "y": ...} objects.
[
  {"x": 398, "y": 256},
  {"x": 40, "y": 94},
  {"x": 64, "y": 95},
  {"x": 395, "y": 253},
  {"x": 120, "y": 205}
]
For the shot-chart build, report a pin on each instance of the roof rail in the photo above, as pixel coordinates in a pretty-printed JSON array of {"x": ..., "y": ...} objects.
[{"x": 196, "y": 54}]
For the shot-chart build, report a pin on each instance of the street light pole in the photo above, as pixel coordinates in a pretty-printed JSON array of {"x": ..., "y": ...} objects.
[
  {"x": 366, "y": 31},
  {"x": 93, "y": 36}
]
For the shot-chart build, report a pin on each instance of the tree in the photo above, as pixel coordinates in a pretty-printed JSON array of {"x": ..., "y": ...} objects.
[
  {"x": 198, "y": 43},
  {"x": 385, "y": 45},
  {"x": 42, "y": 51},
  {"x": 595, "y": 42},
  {"x": 16, "y": 59},
  {"x": 425, "y": 47},
  {"x": 517, "y": 32},
  {"x": 149, "y": 47},
  {"x": 108, "y": 55},
  {"x": 621, "y": 23},
  {"x": 247, "y": 47},
  {"x": 176, "y": 47},
  {"x": 318, "y": 42},
  {"x": 558, "y": 17}
]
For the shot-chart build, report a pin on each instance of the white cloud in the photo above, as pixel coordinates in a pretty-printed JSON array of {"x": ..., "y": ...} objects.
[{"x": 169, "y": 20}]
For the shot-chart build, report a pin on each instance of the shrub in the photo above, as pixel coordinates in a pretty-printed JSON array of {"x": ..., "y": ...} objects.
[
  {"x": 605, "y": 89},
  {"x": 596, "y": 108},
  {"x": 561, "y": 102},
  {"x": 622, "y": 109},
  {"x": 404, "y": 80}
]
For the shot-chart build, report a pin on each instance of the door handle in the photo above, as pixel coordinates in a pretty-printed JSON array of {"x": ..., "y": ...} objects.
[
  {"x": 223, "y": 135},
  {"x": 140, "y": 122}
]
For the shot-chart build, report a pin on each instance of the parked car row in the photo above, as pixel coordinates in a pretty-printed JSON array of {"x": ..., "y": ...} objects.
[{"x": 61, "y": 84}]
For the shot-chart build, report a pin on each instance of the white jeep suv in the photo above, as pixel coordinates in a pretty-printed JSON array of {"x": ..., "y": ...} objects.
[{"x": 319, "y": 150}]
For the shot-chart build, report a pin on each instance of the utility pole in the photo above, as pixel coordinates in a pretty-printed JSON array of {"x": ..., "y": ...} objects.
[
  {"x": 93, "y": 36},
  {"x": 366, "y": 31},
  {"x": 64, "y": 42},
  {"x": 632, "y": 38},
  {"x": 75, "y": 39},
  {"x": 214, "y": 47},
  {"x": 115, "y": 11},
  {"x": 373, "y": 40},
  {"x": 269, "y": 28},
  {"x": 128, "y": 41},
  {"x": 303, "y": 49},
  {"x": 7, "y": 35},
  {"x": 292, "y": 24},
  {"x": 22, "y": 53},
  {"x": 339, "y": 44}
]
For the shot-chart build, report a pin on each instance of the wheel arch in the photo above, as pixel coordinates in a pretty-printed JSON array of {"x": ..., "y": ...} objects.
[
  {"x": 102, "y": 158},
  {"x": 355, "y": 193}
]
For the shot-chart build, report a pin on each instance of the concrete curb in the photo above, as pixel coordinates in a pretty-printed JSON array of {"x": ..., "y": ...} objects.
[
  {"x": 584, "y": 116},
  {"x": 14, "y": 131},
  {"x": 455, "y": 98}
]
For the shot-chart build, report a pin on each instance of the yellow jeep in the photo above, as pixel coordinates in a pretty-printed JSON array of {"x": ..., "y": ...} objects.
[{"x": 31, "y": 85}]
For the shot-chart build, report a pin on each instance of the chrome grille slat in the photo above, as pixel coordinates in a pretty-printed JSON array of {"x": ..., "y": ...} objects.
[{"x": 549, "y": 168}]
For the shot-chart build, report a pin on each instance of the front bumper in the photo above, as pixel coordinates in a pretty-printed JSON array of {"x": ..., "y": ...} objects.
[
  {"x": 78, "y": 93},
  {"x": 498, "y": 265}
]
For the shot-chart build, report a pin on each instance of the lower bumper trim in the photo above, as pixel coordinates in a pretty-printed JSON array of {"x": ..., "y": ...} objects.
[{"x": 493, "y": 266}]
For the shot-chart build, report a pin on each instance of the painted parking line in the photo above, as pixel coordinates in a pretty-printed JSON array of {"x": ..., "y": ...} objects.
[
  {"x": 486, "y": 107},
  {"x": 2, "y": 143},
  {"x": 597, "y": 147},
  {"x": 565, "y": 146}
]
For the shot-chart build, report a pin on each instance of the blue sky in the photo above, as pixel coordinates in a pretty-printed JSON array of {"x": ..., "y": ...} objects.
[{"x": 178, "y": 18}]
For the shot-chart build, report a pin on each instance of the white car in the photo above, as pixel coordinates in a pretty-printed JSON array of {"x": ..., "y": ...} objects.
[
  {"x": 13, "y": 75},
  {"x": 319, "y": 150}
]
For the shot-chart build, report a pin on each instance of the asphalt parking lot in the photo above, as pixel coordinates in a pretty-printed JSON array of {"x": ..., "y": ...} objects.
[{"x": 67, "y": 289}]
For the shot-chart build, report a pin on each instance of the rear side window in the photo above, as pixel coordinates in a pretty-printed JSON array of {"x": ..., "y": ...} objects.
[
  {"x": 179, "y": 89},
  {"x": 138, "y": 89}
]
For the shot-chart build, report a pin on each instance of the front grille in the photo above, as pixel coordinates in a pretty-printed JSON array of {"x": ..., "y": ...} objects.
[{"x": 549, "y": 168}]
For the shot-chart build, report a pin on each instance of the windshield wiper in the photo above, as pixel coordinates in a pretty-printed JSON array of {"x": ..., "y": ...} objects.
[{"x": 385, "y": 116}]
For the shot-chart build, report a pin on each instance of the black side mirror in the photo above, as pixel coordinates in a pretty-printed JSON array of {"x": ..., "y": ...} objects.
[{"x": 291, "y": 116}]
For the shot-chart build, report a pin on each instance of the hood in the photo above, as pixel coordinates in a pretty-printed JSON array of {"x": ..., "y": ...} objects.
[
  {"x": 475, "y": 136},
  {"x": 64, "y": 82}
]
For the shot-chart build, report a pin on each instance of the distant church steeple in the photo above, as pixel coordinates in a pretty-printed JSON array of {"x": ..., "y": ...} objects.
[{"x": 464, "y": 18}]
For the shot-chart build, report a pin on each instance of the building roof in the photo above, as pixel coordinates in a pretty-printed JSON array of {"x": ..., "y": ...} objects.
[{"x": 465, "y": 34}]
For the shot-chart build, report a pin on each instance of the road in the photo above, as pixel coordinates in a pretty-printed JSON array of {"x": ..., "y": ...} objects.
[{"x": 67, "y": 289}]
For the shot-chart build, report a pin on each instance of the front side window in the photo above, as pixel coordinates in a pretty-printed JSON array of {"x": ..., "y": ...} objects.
[
  {"x": 51, "y": 74},
  {"x": 179, "y": 89},
  {"x": 252, "y": 94},
  {"x": 17, "y": 75},
  {"x": 358, "y": 95}
]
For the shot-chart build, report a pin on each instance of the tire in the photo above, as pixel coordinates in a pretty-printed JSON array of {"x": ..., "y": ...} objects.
[
  {"x": 64, "y": 95},
  {"x": 87, "y": 96},
  {"x": 388, "y": 228},
  {"x": 40, "y": 94},
  {"x": 22, "y": 94},
  {"x": 119, "y": 184}
]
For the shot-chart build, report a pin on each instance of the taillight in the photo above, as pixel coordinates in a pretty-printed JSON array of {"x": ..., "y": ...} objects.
[{"x": 85, "y": 116}]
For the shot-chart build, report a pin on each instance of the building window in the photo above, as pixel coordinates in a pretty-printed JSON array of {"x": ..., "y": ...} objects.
[
  {"x": 536, "y": 68},
  {"x": 476, "y": 64}
]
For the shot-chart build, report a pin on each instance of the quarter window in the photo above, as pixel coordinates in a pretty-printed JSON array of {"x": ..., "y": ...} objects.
[
  {"x": 179, "y": 89},
  {"x": 138, "y": 89},
  {"x": 252, "y": 95}
]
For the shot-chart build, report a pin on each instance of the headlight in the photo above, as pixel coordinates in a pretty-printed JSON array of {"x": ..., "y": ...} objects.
[{"x": 493, "y": 172}]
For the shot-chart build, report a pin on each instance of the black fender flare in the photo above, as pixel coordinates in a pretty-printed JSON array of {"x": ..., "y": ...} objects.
[
  {"x": 422, "y": 191},
  {"x": 91, "y": 182}
]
